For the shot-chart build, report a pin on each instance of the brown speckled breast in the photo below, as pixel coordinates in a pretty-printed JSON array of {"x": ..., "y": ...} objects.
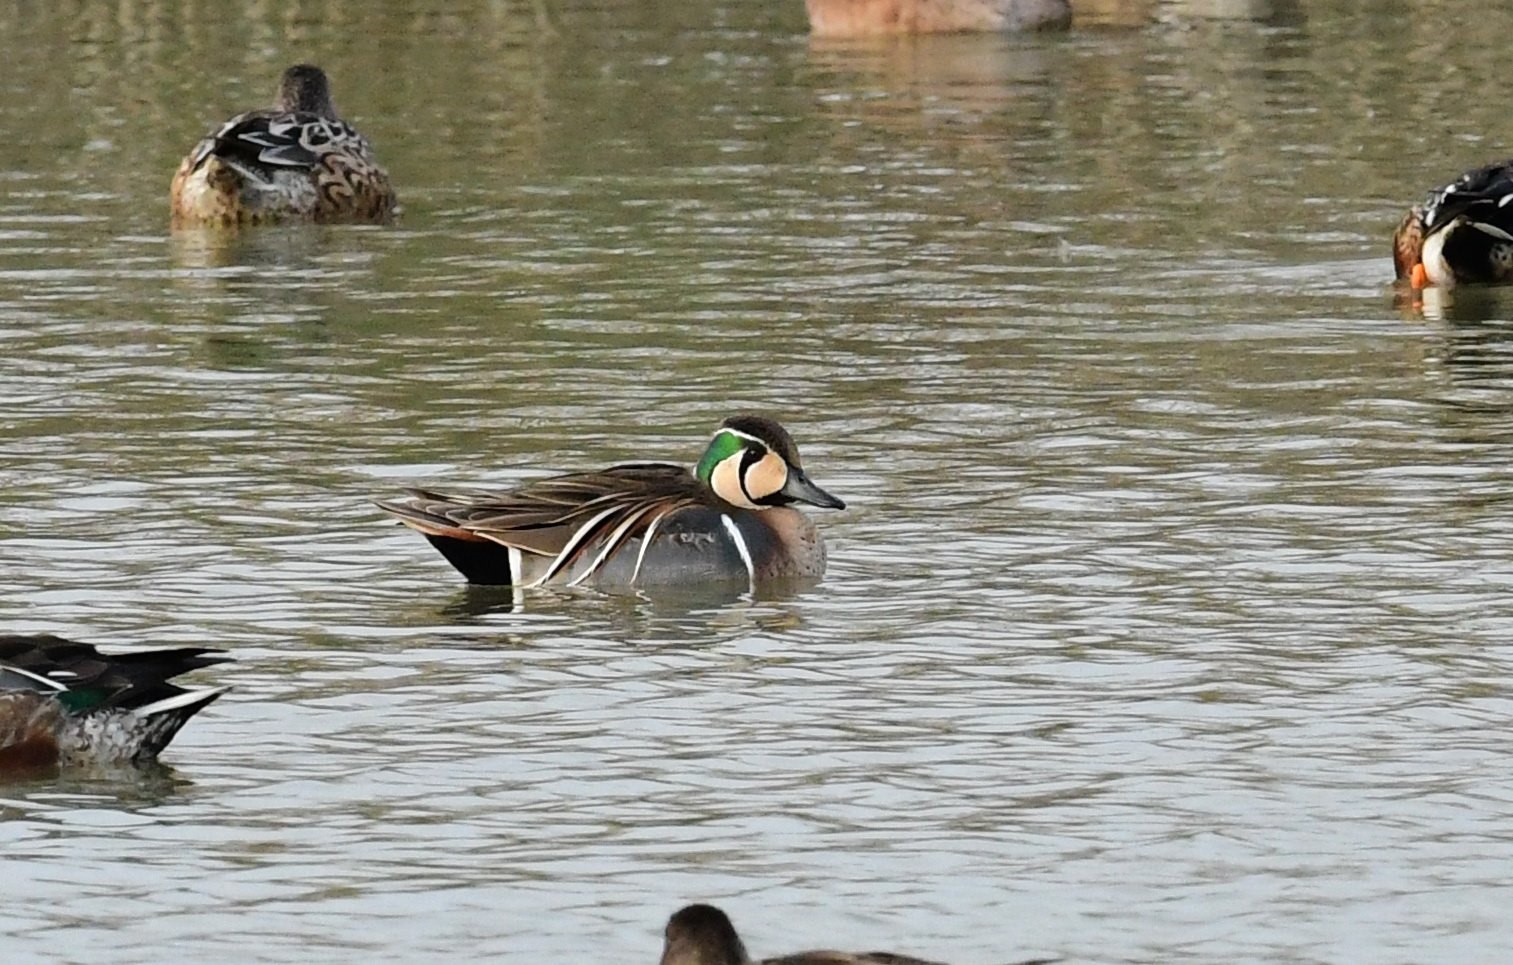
[{"x": 29, "y": 725}]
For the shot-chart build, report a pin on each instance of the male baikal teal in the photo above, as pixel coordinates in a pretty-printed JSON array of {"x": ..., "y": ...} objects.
[{"x": 730, "y": 520}]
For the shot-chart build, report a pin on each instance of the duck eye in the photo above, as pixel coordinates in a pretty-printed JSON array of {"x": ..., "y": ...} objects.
[{"x": 750, "y": 456}]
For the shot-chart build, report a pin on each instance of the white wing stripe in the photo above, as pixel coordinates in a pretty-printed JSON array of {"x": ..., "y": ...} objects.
[
  {"x": 46, "y": 682},
  {"x": 610, "y": 545},
  {"x": 572, "y": 545},
  {"x": 1492, "y": 230},
  {"x": 187, "y": 699},
  {"x": 645, "y": 542}
]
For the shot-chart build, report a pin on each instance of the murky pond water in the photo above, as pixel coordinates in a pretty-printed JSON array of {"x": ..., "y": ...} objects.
[{"x": 1169, "y": 618}]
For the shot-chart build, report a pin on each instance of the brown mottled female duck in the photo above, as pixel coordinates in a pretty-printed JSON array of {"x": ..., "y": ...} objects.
[
  {"x": 65, "y": 704},
  {"x": 1463, "y": 232},
  {"x": 298, "y": 161},
  {"x": 866, "y": 18},
  {"x": 729, "y": 521}
]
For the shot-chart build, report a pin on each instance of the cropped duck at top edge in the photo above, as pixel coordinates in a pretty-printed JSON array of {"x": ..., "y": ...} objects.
[
  {"x": 870, "y": 18},
  {"x": 295, "y": 162},
  {"x": 639, "y": 524},
  {"x": 703, "y": 935},
  {"x": 66, "y": 704},
  {"x": 1462, "y": 232}
]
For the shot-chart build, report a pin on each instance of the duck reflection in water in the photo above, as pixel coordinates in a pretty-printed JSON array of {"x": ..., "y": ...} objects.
[{"x": 869, "y": 18}]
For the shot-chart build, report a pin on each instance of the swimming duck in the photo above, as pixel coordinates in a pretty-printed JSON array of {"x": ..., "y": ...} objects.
[
  {"x": 864, "y": 18},
  {"x": 730, "y": 520},
  {"x": 703, "y": 935},
  {"x": 67, "y": 704},
  {"x": 1463, "y": 232},
  {"x": 298, "y": 161}
]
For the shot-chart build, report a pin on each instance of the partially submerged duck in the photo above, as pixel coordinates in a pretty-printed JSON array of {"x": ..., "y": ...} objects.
[
  {"x": 66, "y": 704},
  {"x": 297, "y": 161},
  {"x": 703, "y": 935},
  {"x": 729, "y": 520},
  {"x": 1463, "y": 232}
]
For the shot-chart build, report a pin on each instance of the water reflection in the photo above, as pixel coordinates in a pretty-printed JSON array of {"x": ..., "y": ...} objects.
[
  {"x": 895, "y": 79},
  {"x": 1463, "y": 303},
  {"x": 1276, "y": 13},
  {"x": 1470, "y": 363},
  {"x": 287, "y": 250},
  {"x": 128, "y": 788},
  {"x": 475, "y": 601},
  {"x": 1091, "y": 14},
  {"x": 689, "y": 614}
]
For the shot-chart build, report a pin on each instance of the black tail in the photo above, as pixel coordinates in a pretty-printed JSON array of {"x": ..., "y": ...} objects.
[
  {"x": 126, "y": 680},
  {"x": 163, "y": 722},
  {"x": 485, "y": 563}
]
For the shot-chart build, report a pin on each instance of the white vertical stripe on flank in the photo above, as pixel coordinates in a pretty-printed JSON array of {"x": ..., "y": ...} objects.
[{"x": 740, "y": 547}]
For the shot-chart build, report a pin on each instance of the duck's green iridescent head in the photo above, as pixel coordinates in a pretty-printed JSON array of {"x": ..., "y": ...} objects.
[{"x": 752, "y": 463}]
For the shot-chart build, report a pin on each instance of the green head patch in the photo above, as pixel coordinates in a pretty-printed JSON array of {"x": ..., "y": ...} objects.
[{"x": 724, "y": 445}]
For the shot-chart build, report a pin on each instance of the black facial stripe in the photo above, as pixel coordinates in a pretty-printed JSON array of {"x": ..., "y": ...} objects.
[
  {"x": 750, "y": 456},
  {"x": 755, "y": 452}
]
